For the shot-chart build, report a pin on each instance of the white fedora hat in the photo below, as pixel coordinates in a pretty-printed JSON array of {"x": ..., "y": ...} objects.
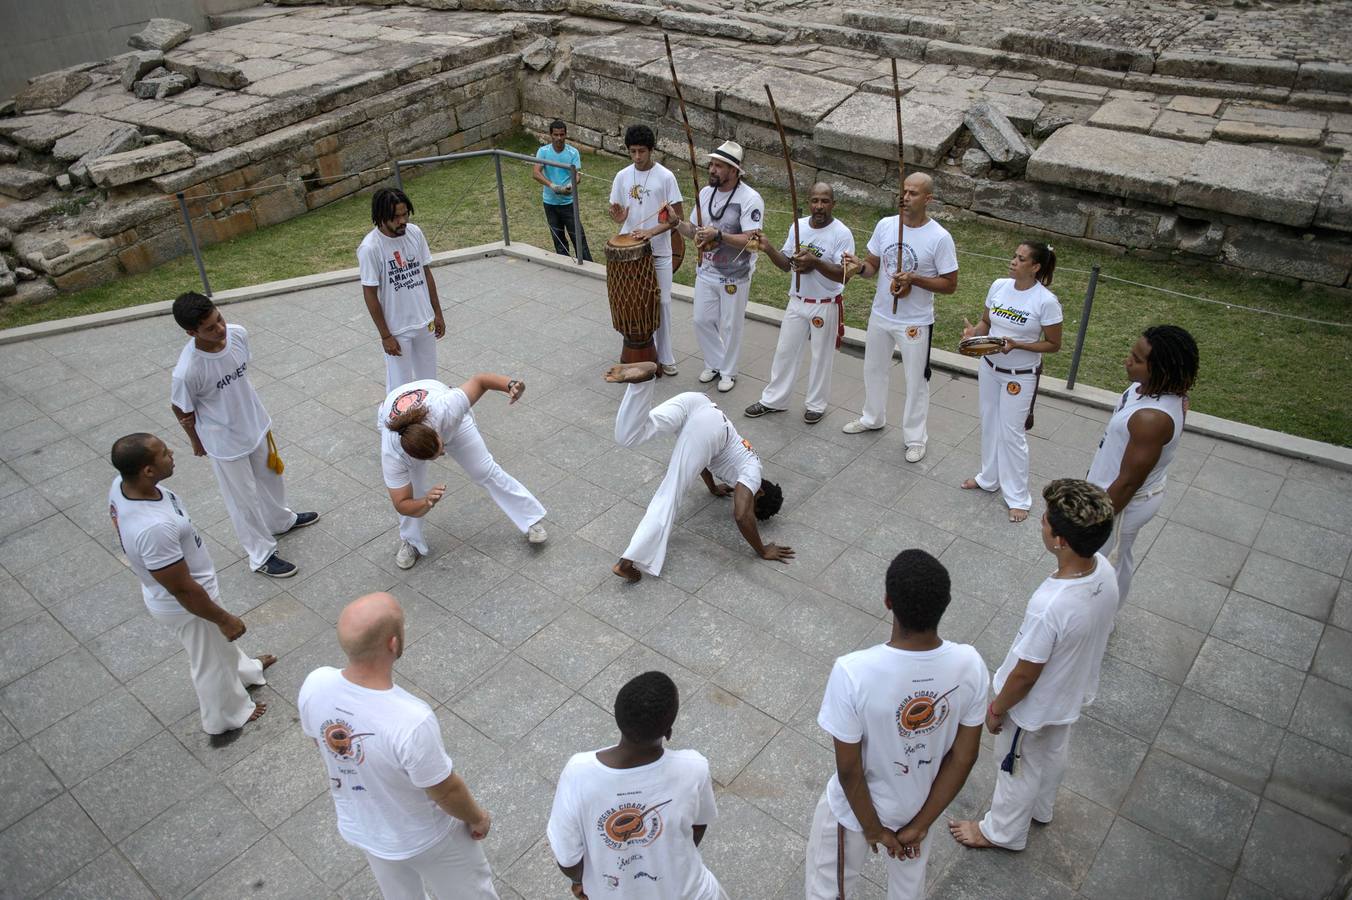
[{"x": 730, "y": 152}]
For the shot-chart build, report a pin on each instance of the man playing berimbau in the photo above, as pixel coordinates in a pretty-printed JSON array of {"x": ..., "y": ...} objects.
[{"x": 707, "y": 447}]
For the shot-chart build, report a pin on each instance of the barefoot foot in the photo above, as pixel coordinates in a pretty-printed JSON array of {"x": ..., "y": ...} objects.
[
  {"x": 968, "y": 833},
  {"x": 1018, "y": 515},
  {"x": 625, "y": 569},
  {"x": 268, "y": 660},
  {"x": 259, "y": 709},
  {"x": 630, "y": 373},
  {"x": 970, "y": 485}
]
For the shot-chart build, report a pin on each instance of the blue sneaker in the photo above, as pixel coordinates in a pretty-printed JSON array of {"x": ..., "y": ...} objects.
[
  {"x": 276, "y": 567},
  {"x": 303, "y": 519}
]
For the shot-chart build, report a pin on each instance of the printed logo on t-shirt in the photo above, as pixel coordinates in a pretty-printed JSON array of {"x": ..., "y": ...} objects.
[
  {"x": 406, "y": 401},
  {"x": 231, "y": 377},
  {"x": 398, "y": 260},
  {"x": 815, "y": 250},
  {"x": 1010, "y": 314},
  {"x": 343, "y": 741},
  {"x": 923, "y": 712},
  {"x": 909, "y": 260},
  {"x": 631, "y": 825}
]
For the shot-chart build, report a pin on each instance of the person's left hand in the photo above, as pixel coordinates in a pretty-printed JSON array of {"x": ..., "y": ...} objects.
[
  {"x": 721, "y": 490},
  {"x": 515, "y": 391},
  {"x": 706, "y": 234},
  {"x": 994, "y": 724},
  {"x": 911, "y": 837},
  {"x": 641, "y": 234},
  {"x": 577, "y": 891},
  {"x": 1007, "y": 344},
  {"x": 439, "y": 326},
  {"x": 802, "y": 260},
  {"x": 900, "y": 282}
]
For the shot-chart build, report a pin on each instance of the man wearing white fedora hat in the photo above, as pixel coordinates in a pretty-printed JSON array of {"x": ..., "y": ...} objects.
[{"x": 730, "y": 212}]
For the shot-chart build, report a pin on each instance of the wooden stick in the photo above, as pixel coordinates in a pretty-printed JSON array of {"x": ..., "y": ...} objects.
[
  {"x": 901, "y": 183},
  {"x": 689, "y": 133},
  {"x": 793, "y": 190}
]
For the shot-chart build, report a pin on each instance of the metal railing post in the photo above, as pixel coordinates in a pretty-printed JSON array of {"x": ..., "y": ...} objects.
[
  {"x": 502, "y": 199},
  {"x": 1084, "y": 326},
  {"x": 577, "y": 217},
  {"x": 398, "y": 176},
  {"x": 192, "y": 239}
]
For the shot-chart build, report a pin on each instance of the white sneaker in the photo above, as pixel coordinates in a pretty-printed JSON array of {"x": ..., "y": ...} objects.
[
  {"x": 915, "y": 453},
  {"x": 407, "y": 555},
  {"x": 707, "y": 376},
  {"x": 726, "y": 384},
  {"x": 668, "y": 370},
  {"x": 536, "y": 534},
  {"x": 856, "y": 427}
]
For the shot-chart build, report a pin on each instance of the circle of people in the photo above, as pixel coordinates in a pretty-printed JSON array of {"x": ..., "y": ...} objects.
[{"x": 627, "y": 820}]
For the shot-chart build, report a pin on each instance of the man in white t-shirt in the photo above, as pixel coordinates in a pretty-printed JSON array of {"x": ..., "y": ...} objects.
[
  {"x": 707, "y": 447},
  {"x": 395, "y": 792},
  {"x": 644, "y": 200},
  {"x": 422, "y": 420},
  {"x": 627, "y": 821},
  {"x": 729, "y": 212},
  {"x": 219, "y": 410},
  {"x": 399, "y": 290},
  {"x": 178, "y": 582},
  {"x": 1052, "y": 669},
  {"x": 906, "y": 720},
  {"x": 903, "y": 310},
  {"x": 815, "y": 306}
]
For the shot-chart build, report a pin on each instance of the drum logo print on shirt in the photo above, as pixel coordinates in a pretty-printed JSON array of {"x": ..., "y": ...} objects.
[
  {"x": 343, "y": 741},
  {"x": 631, "y": 825},
  {"x": 923, "y": 712}
]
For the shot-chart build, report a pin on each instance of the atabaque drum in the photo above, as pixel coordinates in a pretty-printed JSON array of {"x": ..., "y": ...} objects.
[{"x": 635, "y": 299}]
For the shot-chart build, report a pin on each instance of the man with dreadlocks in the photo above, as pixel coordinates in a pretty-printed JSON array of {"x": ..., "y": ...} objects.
[
  {"x": 1052, "y": 669},
  {"x": 399, "y": 290},
  {"x": 1143, "y": 435},
  {"x": 707, "y": 446},
  {"x": 422, "y": 420}
]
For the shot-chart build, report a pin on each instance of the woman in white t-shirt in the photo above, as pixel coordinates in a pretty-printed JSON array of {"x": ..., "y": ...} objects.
[{"x": 1021, "y": 311}]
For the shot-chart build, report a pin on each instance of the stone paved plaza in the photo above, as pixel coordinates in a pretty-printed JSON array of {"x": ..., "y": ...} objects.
[{"x": 1216, "y": 763}]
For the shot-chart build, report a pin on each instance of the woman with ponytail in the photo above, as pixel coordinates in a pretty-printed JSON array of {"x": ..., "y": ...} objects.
[
  {"x": 1021, "y": 311},
  {"x": 422, "y": 420}
]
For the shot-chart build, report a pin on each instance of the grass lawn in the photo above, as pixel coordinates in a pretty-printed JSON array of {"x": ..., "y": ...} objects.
[{"x": 1251, "y": 363}]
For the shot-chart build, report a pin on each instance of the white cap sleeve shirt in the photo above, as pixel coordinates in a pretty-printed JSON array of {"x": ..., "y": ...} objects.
[
  {"x": 645, "y": 193},
  {"x": 1065, "y": 627},
  {"x": 635, "y": 827},
  {"x": 394, "y": 267},
  {"x": 156, "y": 534},
  {"x": 1020, "y": 316},
  {"x": 231, "y": 420},
  {"x": 447, "y": 407},
  {"x": 735, "y": 461},
  {"x": 905, "y": 706},
  {"x": 381, "y": 750},
  {"x": 927, "y": 251},
  {"x": 828, "y": 243}
]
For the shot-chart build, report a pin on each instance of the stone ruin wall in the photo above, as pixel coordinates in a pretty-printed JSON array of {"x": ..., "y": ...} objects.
[{"x": 1157, "y": 165}]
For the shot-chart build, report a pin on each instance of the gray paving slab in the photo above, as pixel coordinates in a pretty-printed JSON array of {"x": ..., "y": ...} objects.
[{"x": 1226, "y": 680}]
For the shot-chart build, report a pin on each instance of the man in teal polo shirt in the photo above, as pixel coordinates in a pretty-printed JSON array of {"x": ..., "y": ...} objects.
[{"x": 558, "y": 189}]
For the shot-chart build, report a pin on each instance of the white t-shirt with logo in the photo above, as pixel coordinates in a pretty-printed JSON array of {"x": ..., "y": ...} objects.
[
  {"x": 381, "y": 750},
  {"x": 1021, "y": 316},
  {"x": 732, "y": 212},
  {"x": 394, "y": 267},
  {"x": 446, "y": 406},
  {"x": 824, "y": 243},
  {"x": 1065, "y": 627},
  {"x": 905, "y": 706},
  {"x": 733, "y": 460},
  {"x": 634, "y": 827},
  {"x": 927, "y": 251},
  {"x": 645, "y": 193},
  {"x": 231, "y": 420},
  {"x": 154, "y": 535}
]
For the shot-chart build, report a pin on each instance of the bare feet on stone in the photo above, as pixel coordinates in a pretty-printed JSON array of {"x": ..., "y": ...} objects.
[
  {"x": 968, "y": 833},
  {"x": 259, "y": 709},
  {"x": 625, "y": 569},
  {"x": 1018, "y": 515},
  {"x": 268, "y": 660},
  {"x": 970, "y": 485},
  {"x": 631, "y": 373}
]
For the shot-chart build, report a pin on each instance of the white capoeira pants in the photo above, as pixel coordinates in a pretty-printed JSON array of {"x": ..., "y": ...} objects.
[
  {"x": 720, "y": 316},
  {"x": 698, "y": 427},
  {"x": 417, "y": 359},
  {"x": 454, "y": 868},
  {"x": 1030, "y": 792},
  {"x": 255, "y": 498},
  {"x": 913, "y": 341},
  {"x": 1004, "y": 443},
  {"x": 468, "y": 449},
  {"x": 835, "y": 855},
  {"x": 1134, "y": 516},
  {"x": 662, "y": 336},
  {"x": 220, "y": 672},
  {"x": 799, "y": 325}
]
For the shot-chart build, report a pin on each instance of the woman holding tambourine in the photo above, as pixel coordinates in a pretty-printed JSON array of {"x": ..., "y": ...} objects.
[{"x": 1025, "y": 319}]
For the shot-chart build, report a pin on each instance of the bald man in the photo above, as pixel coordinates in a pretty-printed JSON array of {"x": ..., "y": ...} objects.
[
  {"x": 903, "y": 310},
  {"x": 396, "y": 795},
  {"x": 814, "y": 314}
]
